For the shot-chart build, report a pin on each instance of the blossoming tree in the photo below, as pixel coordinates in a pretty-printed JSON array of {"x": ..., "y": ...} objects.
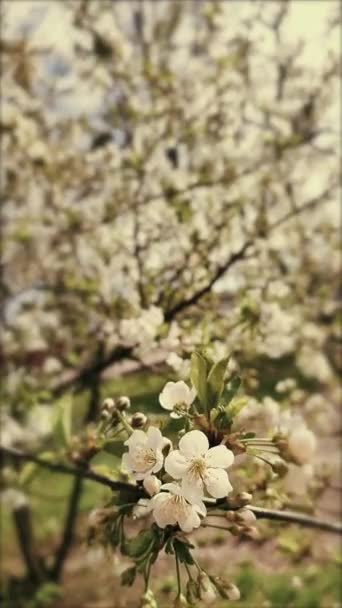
[{"x": 161, "y": 196}]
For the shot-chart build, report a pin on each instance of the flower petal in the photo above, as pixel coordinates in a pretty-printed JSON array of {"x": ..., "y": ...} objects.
[
  {"x": 154, "y": 438},
  {"x": 166, "y": 399},
  {"x": 192, "y": 489},
  {"x": 194, "y": 443},
  {"x": 137, "y": 437},
  {"x": 164, "y": 514},
  {"x": 189, "y": 520},
  {"x": 125, "y": 463},
  {"x": 176, "y": 464},
  {"x": 219, "y": 456},
  {"x": 217, "y": 483},
  {"x": 200, "y": 508},
  {"x": 173, "y": 488}
]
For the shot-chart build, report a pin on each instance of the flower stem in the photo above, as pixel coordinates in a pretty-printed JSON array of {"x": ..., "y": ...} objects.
[
  {"x": 179, "y": 583},
  {"x": 124, "y": 423}
]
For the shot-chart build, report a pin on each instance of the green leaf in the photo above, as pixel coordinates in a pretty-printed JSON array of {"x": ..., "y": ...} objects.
[
  {"x": 235, "y": 406},
  {"x": 116, "y": 448},
  {"x": 198, "y": 375},
  {"x": 183, "y": 552},
  {"x": 137, "y": 546},
  {"x": 231, "y": 389},
  {"x": 216, "y": 381},
  {"x": 27, "y": 473},
  {"x": 63, "y": 420},
  {"x": 128, "y": 576}
]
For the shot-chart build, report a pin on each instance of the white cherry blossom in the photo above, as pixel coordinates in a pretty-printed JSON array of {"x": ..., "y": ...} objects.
[
  {"x": 176, "y": 397},
  {"x": 200, "y": 467},
  {"x": 172, "y": 507},
  {"x": 144, "y": 455}
]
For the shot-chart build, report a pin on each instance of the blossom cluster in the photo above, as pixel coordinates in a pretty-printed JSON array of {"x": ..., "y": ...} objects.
[
  {"x": 196, "y": 470},
  {"x": 181, "y": 479}
]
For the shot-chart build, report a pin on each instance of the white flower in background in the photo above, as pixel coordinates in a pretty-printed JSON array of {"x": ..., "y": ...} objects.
[
  {"x": 200, "y": 467},
  {"x": 144, "y": 328},
  {"x": 298, "y": 478},
  {"x": 176, "y": 397},
  {"x": 258, "y": 417},
  {"x": 301, "y": 441},
  {"x": 144, "y": 455},
  {"x": 13, "y": 499},
  {"x": 152, "y": 485},
  {"x": 172, "y": 507},
  {"x": 302, "y": 444},
  {"x": 179, "y": 365}
]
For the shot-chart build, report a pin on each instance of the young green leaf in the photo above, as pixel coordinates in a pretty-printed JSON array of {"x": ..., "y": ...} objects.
[
  {"x": 183, "y": 552},
  {"x": 198, "y": 375},
  {"x": 136, "y": 547},
  {"x": 216, "y": 381},
  {"x": 128, "y": 576},
  {"x": 231, "y": 390}
]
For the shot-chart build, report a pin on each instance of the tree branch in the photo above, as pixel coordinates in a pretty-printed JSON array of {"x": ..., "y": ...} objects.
[
  {"x": 260, "y": 512},
  {"x": 220, "y": 271},
  {"x": 65, "y": 469},
  {"x": 296, "y": 518}
]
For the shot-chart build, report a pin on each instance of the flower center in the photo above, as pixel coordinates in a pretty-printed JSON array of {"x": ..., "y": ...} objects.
[
  {"x": 179, "y": 505},
  {"x": 144, "y": 459},
  {"x": 197, "y": 468}
]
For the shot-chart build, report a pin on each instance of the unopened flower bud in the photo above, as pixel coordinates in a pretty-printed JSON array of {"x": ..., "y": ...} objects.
[
  {"x": 108, "y": 405},
  {"x": 138, "y": 420},
  {"x": 192, "y": 592},
  {"x": 245, "y": 516},
  {"x": 105, "y": 415},
  {"x": 148, "y": 600},
  {"x": 235, "y": 530},
  {"x": 239, "y": 500},
  {"x": 180, "y": 602},
  {"x": 207, "y": 590},
  {"x": 230, "y": 515},
  {"x": 123, "y": 404},
  {"x": 233, "y": 592},
  {"x": 152, "y": 485},
  {"x": 251, "y": 532}
]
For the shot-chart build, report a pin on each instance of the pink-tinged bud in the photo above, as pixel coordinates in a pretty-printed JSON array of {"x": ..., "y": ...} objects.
[
  {"x": 245, "y": 516},
  {"x": 152, "y": 485},
  {"x": 251, "y": 532}
]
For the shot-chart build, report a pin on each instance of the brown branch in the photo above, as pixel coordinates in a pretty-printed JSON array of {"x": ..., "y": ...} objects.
[
  {"x": 23, "y": 528},
  {"x": 55, "y": 467},
  {"x": 296, "y": 518},
  {"x": 220, "y": 271},
  {"x": 260, "y": 512}
]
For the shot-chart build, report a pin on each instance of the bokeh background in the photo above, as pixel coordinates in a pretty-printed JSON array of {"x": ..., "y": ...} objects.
[{"x": 170, "y": 180}]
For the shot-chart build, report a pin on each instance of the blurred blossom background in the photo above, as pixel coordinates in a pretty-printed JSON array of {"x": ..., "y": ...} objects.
[{"x": 170, "y": 180}]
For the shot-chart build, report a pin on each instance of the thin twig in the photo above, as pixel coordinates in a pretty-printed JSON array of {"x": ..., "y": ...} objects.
[
  {"x": 260, "y": 512},
  {"x": 115, "y": 486},
  {"x": 297, "y": 518}
]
